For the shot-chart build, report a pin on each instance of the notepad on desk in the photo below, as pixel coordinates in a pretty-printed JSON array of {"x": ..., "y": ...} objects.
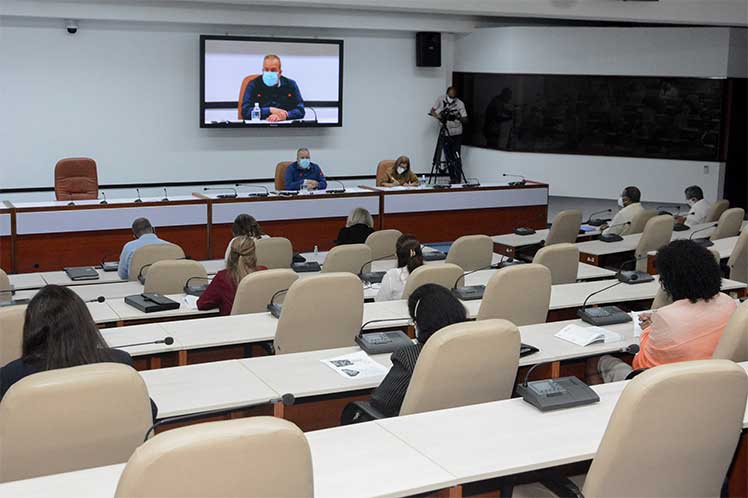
[{"x": 584, "y": 336}]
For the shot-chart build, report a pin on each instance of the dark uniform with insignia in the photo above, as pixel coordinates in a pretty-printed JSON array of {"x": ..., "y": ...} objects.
[{"x": 285, "y": 96}]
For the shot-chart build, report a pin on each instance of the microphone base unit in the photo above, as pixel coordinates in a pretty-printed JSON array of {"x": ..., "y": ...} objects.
[
  {"x": 195, "y": 290},
  {"x": 434, "y": 256},
  {"x": 307, "y": 267},
  {"x": 703, "y": 242},
  {"x": 110, "y": 266},
  {"x": 603, "y": 315},
  {"x": 680, "y": 227},
  {"x": 383, "y": 342},
  {"x": 336, "y": 191},
  {"x": 611, "y": 238},
  {"x": 520, "y": 183},
  {"x": 510, "y": 262},
  {"x": 275, "y": 309},
  {"x": 634, "y": 277},
  {"x": 227, "y": 196},
  {"x": 526, "y": 350},
  {"x": 469, "y": 293},
  {"x": 556, "y": 394},
  {"x": 372, "y": 277},
  {"x": 258, "y": 194},
  {"x": 596, "y": 222},
  {"x": 138, "y": 201},
  {"x": 523, "y": 231},
  {"x": 287, "y": 192},
  {"x": 14, "y": 302}
]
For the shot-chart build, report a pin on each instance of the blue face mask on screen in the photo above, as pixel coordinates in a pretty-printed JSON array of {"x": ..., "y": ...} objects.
[
  {"x": 305, "y": 163},
  {"x": 270, "y": 78}
]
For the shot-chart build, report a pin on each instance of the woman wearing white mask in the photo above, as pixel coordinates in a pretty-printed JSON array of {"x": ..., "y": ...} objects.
[
  {"x": 400, "y": 174},
  {"x": 630, "y": 205}
]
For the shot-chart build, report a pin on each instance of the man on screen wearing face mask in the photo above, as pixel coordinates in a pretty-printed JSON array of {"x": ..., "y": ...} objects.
[
  {"x": 279, "y": 97},
  {"x": 700, "y": 207},
  {"x": 630, "y": 205},
  {"x": 304, "y": 174}
]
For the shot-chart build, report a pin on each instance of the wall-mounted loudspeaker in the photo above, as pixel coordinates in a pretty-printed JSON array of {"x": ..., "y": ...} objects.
[{"x": 428, "y": 49}]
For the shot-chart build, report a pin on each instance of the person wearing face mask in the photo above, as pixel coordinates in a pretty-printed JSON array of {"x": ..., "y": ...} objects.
[
  {"x": 400, "y": 174},
  {"x": 700, "y": 207},
  {"x": 279, "y": 97},
  {"x": 303, "y": 173},
  {"x": 630, "y": 205}
]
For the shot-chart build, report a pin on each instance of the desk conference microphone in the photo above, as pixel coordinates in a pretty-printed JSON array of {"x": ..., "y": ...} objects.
[
  {"x": 99, "y": 299},
  {"x": 266, "y": 192},
  {"x": 519, "y": 183},
  {"x": 103, "y": 198},
  {"x": 139, "y": 199},
  {"x": 335, "y": 190},
  {"x": 472, "y": 292},
  {"x": 166, "y": 196},
  {"x": 613, "y": 237},
  {"x": 287, "y": 399},
  {"x": 166, "y": 340},
  {"x": 233, "y": 195},
  {"x": 316, "y": 119},
  {"x": 633, "y": 277},
  {"x": 275, "y": 309},
  {"x": 373, "y": 277},
  {"x": 195, "y": 290},
  {"x": 383, "y": 342},
  {"x": 666, "y": 210},
  {"x": 597, "y": 223},
  {"x": 703, "y": 242}
]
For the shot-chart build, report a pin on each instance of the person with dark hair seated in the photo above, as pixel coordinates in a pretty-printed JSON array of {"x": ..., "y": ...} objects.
[
  {"x": 245, "y": 225},
  {"x": 144, "y": 234},
  {"x": 690, "y": 327},
  {"x": 409, "y": 257},
  {"x": 431, "y": 307},
  {"x": 699, "y": 207},
  {"x": 58, "y": 332},
  {"x": 630, "y": 204}
]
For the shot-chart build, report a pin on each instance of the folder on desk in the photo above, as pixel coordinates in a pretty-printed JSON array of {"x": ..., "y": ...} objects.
[
  {"x": 151, "y": 302},
  {"x": 82, "y": 273}
]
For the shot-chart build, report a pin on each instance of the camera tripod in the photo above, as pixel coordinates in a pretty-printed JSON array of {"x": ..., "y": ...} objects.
[{"x": 452, "y": 164}]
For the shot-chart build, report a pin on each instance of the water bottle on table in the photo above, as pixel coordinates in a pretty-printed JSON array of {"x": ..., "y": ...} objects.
[{"x": 256, "y": 114}]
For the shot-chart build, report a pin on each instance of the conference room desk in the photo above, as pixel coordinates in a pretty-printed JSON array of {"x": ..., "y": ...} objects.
[
  {"x": 6, "y": 242},
  {"x": 446, "y": 214},
  {"x": 26, "y": 281},
  {"x": 724, "y": 247},
  {"x": 507, "y": 244}
]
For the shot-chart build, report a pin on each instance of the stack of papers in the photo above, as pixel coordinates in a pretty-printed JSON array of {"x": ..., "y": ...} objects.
[
  {"x": 584, "y": 336},
  {"x": 356, "y": 366}
]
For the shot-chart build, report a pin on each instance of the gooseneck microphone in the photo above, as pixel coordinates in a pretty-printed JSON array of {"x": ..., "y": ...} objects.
[
  {"x": 489, "y": 267},
  {"x": 613, "y": 237},
  {"x": 166, "y": 340},
  {"x": 372, "y": 277},
  {"x": 166, "y": 196},
  {"x": 103, "y": 198},
  {"x": 703, "y": 242},
  {"x": 233, "y": 195},
  {"x": 99, "y": 299},
  {"x": 336, "y": 190},
  {"x": 265, "y": 193},
  {"x": 597, "y": 223},
  {"x": 316, "y": 119},
  {"x": 275, "y": 309},
  {"x": 522, "y": 180},
  {"x": 138, "y": 200}
]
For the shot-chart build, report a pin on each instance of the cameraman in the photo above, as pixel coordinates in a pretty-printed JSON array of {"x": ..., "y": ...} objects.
[{"x": 451, "y": 110}]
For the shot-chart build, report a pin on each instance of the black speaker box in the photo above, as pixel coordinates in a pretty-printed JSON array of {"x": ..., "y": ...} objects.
[{"x": 428, "y": 49}]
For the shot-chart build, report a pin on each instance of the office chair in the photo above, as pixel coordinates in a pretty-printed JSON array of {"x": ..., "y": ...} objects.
[
  {"x": 520, "y": 294},
  {"x": 565, "y": 227},
  {"x": 639, "y": 221},
  {"x": 324, "y": 311},
  {"x": 657, "y": 233},
  {"x": 462, "y": 364},
  {"x": 72, "y": 418},
  {"x": 445, "y": 274},
  {"x": 349, "y": 258},
  {"x": 257, "y": 289},
  {"x": 733, "y": 344},
  {"x": 170, "y": 276},
  {"x": 665, "y": 438},
  {"x": 246, "y": 81},
  {"x": 150, "y": 254},
  {"x": 4, "y": 282},
  {"x": 382, "y": 243},
  {"x": 11, "y": 333},
  {"x": 718, "y": 208},
  {"x": 471, "y": 252},
  {"x": 738, "y": 261},
  {"x": 275, "y": 252},
  {"x": 76, "y": 179},
  {"x": 563, "y": 261},
  {"x": 729, "y": 224},
  {"x": 383, "y": 168},
  {"x": 280, "y": 174},
  {"x": 258, "y": 457}
]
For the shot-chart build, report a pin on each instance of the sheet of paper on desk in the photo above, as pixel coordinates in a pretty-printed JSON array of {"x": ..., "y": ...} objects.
[
  {"x": 356, "y": 366},
  {"x": 637, "y": 326},
  {"x": 190, "y": 302},
  {"x": 584, "y": 336}
]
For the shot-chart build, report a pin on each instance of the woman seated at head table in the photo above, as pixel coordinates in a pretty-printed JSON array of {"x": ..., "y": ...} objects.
[
  {"x": 59, "y": 332},
  {"x": 409, "y": 257},
  {"x": 358, "y": 227},
  {"x": 400, "y": 174},
  {"x": 689, "y": 328},
  {"x": 245, "y": 225},
  {"x": 242, "y": 261},
  {"x": 431, "y": 307}
]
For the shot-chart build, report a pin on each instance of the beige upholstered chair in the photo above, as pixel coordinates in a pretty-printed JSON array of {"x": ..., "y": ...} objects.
[
  {"x": 446, "y": 275},
  {"x": 729, "y": 224},
  {"x": 738, "y": 262},
  {"x": 274, "y": 252},
  {"x": 257, "y": 289},
  {"x": 471, "y": 252},
  {"x": 258, "y": 457},
  {"x": 520, "y": 294},
  {"x": 4, "y": 282},
  {"x": 72, "y": 418},
  {"x": 665, "y": 438},
  {"x": 464, "y": 364},
  {"x": 563, "y": 261},
  {"x": 733, "y": 344},
  {"x": 349, "y": 258},
  {"x": 320, "y": 312},
  {"x": 657, "y": 232},
  {"x": 382, "y": 243},
  {"x": 661, "y": 299},
  {"x": 170, "y": 277},
  {"x": 11, "y": 333},
  {"x": 152, "y": 253},
  {"x": 718, "y": 208},
  {"x": 640, "y": 221},
  {"x": 565, "y": 227}
]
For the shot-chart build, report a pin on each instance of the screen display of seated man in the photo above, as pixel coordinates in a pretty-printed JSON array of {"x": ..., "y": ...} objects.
[{"x": 260, "y": 82}]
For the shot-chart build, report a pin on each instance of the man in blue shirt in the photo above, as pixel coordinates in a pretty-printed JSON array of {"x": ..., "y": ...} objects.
[
  {"x": 279, "y": 97},
  {"x": 144, "y": 234},
  {"x": 303, "y": 173}
]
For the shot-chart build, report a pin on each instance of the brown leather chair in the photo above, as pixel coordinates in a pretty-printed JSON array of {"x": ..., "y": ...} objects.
[
  {"x": 76, "y": 179},
  {"x": 242, "y": 91},
  {"x": 280, "y": 174},
  {"x": 382, "y": 168}
]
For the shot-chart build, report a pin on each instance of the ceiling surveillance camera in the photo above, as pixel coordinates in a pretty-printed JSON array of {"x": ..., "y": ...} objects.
[{"x": 72, "y": 27}]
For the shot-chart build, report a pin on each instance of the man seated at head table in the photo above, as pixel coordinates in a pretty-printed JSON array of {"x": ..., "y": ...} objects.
[
  {"x": 144, "y": 235},
  {"x": 699, "y": 207},
  {"x": 689, "y": 328},
  {"x": 630, "y": 204},
  {"x": 279, "y": 97},
  {"x": 400, "y": 175},
  {"x": 304, "y": 174}
]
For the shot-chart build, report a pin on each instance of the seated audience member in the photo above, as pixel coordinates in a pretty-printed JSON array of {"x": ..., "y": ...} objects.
[
  {"x": 58, "y": 332},
  {"x": 400, "y": 174},
  {"x": 409, "y": 257},
  {"x": 432, "y": 307},
  {"x": 241, "y": 262},
  {"x": 245, "y": 225},
  {"x": 144, "y": 234},
  {"x": 690, "y": 327},
  {"x": 304, "y": 174},
  {"x": 358, "y": 227},
  {"x": 630, "y": 204},
  {"x": 699, "y": 207}
]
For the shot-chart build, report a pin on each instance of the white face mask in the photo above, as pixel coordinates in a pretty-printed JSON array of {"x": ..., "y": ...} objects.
[
  {"x": 400, "y": 170},
  {"x": 450, "y": 99},
  {"x": 620, "y": 202},
  {"x": 691, "y": 202}
]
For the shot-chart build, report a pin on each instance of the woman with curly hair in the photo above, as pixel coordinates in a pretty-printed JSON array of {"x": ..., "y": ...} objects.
[{"x": 690, "y": 327}]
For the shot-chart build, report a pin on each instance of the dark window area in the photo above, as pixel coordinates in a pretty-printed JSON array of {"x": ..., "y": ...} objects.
[{"x": 672, "y": 118}]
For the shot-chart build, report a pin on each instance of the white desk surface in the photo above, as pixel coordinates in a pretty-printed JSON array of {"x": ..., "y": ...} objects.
[
  {"x": 134, "y": 334},
  {"x": 514, "y": 240},
  {"x": 112, "y": 290},
  {"x": 102, "y": 313},
  {"x": 203, "y": 387},
  {"x": 99, "y": 482},
  {"x": 584, "y": 272},
  {"x": 125, "y": 312},
  {"x": 61, "y": 278},
  {"x": 27, "y": 281},
  {"x": 222, "y": 330},
  {"x": 725, "y": 247}
]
